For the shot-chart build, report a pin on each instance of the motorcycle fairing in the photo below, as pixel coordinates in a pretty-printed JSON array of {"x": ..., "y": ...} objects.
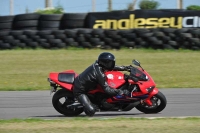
[
  {"x": 64, "y": 79},
  {"x": 115, "y": 79}
]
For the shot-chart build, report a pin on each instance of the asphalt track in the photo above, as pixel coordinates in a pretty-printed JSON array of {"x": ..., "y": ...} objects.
[{"x": 37, "y": 104}]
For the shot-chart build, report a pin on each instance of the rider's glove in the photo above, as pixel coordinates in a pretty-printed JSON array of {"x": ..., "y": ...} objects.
[
  {"x": 124, "y": 92},
  {"x": 125, "y": 68}
]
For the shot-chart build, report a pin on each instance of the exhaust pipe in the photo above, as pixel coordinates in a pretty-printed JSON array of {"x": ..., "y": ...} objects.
[{"x": 131, "y": 106}]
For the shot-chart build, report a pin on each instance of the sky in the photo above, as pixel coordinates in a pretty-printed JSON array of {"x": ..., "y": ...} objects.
[{"x": 82, "y": 6}]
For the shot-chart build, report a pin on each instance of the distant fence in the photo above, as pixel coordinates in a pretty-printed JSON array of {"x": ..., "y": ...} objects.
[{"x": 157, "y": 29}]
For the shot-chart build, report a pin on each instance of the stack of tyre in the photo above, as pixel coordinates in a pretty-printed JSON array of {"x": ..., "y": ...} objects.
[
  {"x": 6, "y": 22},
  {"x": 168, "y": 38},
  {"x": 49, "y": 22},
  {"x": 66, "y": 30},
  {"x": 185, "y": 38},
  {"x": 22, "y": 24},
  {"x": 73, "y": 20},
  {"x": 26, "y": 21},
  {"x": 5, "y": 27},
  {"x": 49, "y": 26},
  {"x": 14, "y": 37}
]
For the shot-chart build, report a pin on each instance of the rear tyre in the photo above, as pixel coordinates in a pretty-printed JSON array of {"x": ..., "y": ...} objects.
[
  {"x": 159, "y": 103},
  {"x": 61, "y": 99}
]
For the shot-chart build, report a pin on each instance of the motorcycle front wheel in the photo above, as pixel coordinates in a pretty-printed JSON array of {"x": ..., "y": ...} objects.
[
  {"x": 61, "y": 99},
  {"x": 159, "y": 103}
]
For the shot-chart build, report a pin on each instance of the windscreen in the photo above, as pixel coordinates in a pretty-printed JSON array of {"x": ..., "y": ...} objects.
[{"x": 139, "y": 74}]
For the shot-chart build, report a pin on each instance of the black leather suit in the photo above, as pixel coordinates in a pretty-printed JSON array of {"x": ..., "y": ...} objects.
[{"x": 88, "y": 80}]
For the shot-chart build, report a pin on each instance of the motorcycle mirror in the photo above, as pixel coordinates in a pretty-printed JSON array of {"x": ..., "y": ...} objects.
[{"x": 136, "y": 62}]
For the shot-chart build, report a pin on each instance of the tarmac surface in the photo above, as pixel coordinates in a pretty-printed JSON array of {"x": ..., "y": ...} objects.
[{"x": 37, "y": 104}]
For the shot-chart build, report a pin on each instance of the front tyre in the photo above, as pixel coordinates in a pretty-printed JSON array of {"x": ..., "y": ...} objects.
[
  {"x": 159, "y": 103},
  {"x": 61, "y": 99}
]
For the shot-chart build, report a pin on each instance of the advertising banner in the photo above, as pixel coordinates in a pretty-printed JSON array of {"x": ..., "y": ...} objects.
[{"x": 144, "y": 19}]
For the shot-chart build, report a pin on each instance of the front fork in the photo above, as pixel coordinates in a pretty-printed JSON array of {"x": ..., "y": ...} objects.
[{"x": 151, "y": 94}]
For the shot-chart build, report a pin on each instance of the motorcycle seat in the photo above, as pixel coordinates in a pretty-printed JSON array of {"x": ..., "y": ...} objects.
[{"x": 66, "y": 77}]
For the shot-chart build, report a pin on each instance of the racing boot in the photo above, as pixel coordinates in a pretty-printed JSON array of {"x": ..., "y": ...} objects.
[{"x": 85, "y": 101}]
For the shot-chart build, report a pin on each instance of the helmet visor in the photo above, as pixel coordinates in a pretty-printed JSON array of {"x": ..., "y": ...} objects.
[{"x": 109, "y": 64}]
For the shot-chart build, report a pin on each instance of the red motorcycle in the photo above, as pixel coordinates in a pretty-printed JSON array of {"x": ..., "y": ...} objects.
[{"x": 137, "y": 81}]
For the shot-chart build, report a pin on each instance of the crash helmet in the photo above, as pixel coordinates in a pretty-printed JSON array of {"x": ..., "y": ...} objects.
[{"x": 106, "y": 60}]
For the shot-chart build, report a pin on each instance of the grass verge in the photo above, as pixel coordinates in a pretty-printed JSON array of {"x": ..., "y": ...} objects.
[
  {"x": 29, "y": 69},
  {"x": 95, "y": 125}
]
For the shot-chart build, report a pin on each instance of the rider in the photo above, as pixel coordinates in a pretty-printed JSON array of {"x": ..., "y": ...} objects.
[{"x": 94, "y": 75}]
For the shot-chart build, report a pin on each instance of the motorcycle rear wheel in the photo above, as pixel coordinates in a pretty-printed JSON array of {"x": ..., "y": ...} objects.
[
  {"x": 61, "y": 99},
  {"x": 160, "y": 102}
]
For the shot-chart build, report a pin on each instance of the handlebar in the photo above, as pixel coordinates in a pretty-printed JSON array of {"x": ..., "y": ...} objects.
[
  {"x": 134, "y": 78},
  {"x": 131, "y": 77},
  {"x": 127, "y": 68}
]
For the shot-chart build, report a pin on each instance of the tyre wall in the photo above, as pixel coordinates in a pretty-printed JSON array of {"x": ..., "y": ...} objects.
[{"x": 71, "y": 30}]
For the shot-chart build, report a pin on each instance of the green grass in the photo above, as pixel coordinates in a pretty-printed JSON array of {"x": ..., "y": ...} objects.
[
  {"x": 99, "y": 125},
  {"x": 29, "y": 69}
]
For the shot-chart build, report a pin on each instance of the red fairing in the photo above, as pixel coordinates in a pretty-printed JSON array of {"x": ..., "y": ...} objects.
[
  {"x": 143, "y": 87},
  {"x": 143, "y": 84},
  {"x": 54, "y": 77},
  {"x": 115, "y": 79},
  {"x": 154, "y": 92}
]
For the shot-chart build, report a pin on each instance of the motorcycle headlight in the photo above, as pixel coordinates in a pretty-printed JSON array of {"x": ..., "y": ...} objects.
[{"x": 150, "y": 89}]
